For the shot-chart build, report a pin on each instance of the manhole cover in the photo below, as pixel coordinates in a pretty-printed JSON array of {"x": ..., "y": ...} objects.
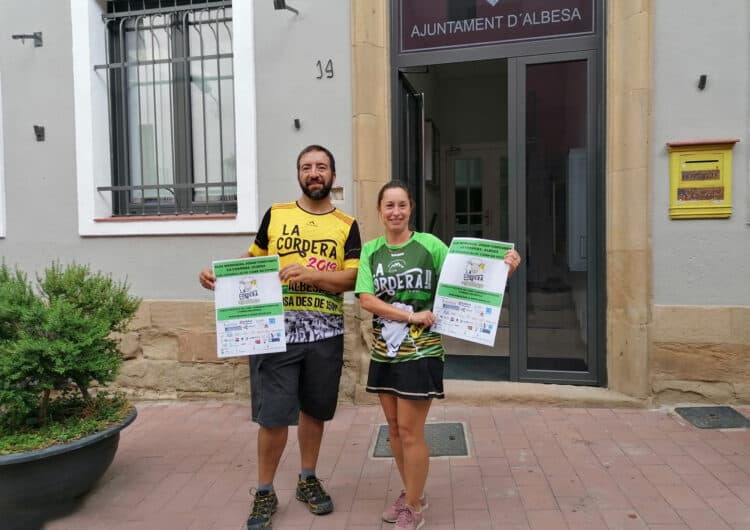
[
  {"x": 443, "y": 439},
  {"x": 713, "y": 417}
]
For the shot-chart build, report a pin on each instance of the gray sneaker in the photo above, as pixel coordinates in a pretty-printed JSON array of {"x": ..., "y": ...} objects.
[
  {"x": 312, "y": 493},
  {"x": 264, "y": 506},
  {"x": 391, "y": 513}
]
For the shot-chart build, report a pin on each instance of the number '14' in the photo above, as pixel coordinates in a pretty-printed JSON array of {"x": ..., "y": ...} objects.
[{"x": 324, "y": 71}]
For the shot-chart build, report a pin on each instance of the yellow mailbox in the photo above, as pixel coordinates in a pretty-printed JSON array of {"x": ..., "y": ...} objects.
[{"x": 700, "y": 175}]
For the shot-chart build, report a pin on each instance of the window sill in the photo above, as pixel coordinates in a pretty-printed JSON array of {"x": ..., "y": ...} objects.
[
  {"x": 195, "y": 217},
  {"x": 155, "y": 225}
]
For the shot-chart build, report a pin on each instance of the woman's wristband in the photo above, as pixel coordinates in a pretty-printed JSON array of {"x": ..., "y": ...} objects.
[{"x": 408, "y": 319}]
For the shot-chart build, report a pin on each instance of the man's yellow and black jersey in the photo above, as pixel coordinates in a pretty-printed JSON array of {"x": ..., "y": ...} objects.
[{"x": 325, "y": 242}]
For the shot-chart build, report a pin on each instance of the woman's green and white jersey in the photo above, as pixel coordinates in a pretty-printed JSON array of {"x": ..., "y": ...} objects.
[{"x": 406, "y": 274}]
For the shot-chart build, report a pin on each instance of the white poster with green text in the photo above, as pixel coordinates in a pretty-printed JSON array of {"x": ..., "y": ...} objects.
[
  {"x": 249, "y": 308},
  {"x": 470, "y": 290}
]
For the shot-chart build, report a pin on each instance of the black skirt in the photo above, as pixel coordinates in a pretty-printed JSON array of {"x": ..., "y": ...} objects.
[{"x": 418, "y": 379}]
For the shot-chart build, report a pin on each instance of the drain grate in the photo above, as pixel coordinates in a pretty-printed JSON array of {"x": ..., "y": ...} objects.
[
  {"x": 443, "y": 439},
  {"x": 713, "y": 417}
]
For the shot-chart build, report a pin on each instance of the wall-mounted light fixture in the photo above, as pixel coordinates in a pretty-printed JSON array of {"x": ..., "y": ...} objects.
[
  {"x": 36, "y": 37},
  {"x": 39, "y": 132},
  {"x": 281, "y": 4}
]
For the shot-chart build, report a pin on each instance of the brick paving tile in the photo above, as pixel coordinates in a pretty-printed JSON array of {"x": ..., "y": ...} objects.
[
  {"x": 707, "y": 486},
  {"x": 743, "y": 492},
  {"x": 493, "y": 467},
  {"x": 656, "y": 511},
  {"x": 623, "y": 520},
  {"x": 372, "y": 488},
  {"x": 526, "y": 475},
  {"x": 499, "y": 488},
  {"x": 705, "y": 454},
  {"x": 469, "y": 498},
  {"x": 581, "y": 513},
  {"x": 636, "y": 486},
  {"x": 487, "y": 443},
  {"x": 537, "y": 497},
  {"x": 681, "y": 497},
  {"x": 703, "y": 520},
  {"x": 507, "y": 511},
  {"x": 684, "y": 465},
  {"x": 474, "y": 519},
  {"x": 547, "y": 520},
  {"x": 731, "y": 509},
  {"x": 660, "y": 474},
  {"x": 191, "y": 465},
  {"x": 439, "y": 511}
]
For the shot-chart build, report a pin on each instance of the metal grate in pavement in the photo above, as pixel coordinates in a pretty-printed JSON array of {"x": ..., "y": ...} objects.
[
  {"x": 713, "y": 417},
  {"x": 443, "y": 439}
]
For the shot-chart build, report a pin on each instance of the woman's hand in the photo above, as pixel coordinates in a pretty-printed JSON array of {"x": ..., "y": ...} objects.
[
  {"x": 207, "y": 279},
  {"x": 513, "y": 260},
  {"x": 422, "y": 318}
]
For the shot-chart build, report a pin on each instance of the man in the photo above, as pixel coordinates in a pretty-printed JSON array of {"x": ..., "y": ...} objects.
[{"x": 319, "y": 247}]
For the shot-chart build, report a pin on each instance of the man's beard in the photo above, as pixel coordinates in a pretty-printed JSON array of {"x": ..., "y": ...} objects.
[{"x": 317, "y": 195}]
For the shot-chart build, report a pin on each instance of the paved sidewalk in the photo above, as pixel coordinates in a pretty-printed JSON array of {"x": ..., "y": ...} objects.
[{"x": 190, "y": 466}]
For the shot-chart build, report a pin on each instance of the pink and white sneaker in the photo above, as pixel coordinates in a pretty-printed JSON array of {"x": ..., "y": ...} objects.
[
  {"x": 408, "y": 519},
  {"x": 391, "y": 513}
]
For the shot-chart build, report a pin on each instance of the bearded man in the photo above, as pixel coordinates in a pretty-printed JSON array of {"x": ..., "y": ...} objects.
[{"x": 318, "y": 247}]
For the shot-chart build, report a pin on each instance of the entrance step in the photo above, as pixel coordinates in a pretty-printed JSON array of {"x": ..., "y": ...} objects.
[{"x": 504, "y": 393}]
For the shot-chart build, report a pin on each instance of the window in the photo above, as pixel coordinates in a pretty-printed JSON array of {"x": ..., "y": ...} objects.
[
  {"x": 157, "y": 120},
  {"x": 171, "y": 107}
]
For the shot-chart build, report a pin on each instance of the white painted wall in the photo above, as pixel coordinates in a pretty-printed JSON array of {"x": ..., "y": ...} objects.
[
  {"x": 40, "y": 177},
  {"x": 701, "y": 262}
]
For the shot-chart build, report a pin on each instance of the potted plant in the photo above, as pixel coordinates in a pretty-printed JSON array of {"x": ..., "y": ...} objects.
[{"x": 59, "y": 428}]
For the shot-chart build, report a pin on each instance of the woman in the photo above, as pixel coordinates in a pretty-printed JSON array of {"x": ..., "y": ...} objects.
[{"x": 396, "y": 281}]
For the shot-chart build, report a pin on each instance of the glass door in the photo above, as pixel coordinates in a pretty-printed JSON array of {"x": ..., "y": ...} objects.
[{"x": 555, "y": 215}]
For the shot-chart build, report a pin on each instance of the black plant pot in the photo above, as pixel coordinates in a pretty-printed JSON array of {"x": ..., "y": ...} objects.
[{"x": 37, "y": 485}]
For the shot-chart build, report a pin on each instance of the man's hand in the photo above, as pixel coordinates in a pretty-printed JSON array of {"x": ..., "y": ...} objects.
[
  {"x": 207, "y": 279},
  {"x": 297, "y": 273}
]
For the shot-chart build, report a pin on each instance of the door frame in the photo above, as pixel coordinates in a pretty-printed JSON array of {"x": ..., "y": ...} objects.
[{"x": 530, "y": 52}]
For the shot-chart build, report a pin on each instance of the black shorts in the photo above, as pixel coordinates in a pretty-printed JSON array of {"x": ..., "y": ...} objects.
[
  {"x": 305, "y": 377},
  {"x": 418, "y": 379}
]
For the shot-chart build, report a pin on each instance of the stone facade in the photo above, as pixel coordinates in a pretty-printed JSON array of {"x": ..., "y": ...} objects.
[
  {"x": 170, "y": 353},
  {"x": 701, "y": 354}
]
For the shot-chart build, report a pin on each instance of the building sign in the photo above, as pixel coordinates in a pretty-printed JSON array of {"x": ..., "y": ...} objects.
[{"x": 436, "y": 24}]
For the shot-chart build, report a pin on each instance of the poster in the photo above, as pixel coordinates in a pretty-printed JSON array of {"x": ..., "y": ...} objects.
[
  {"x": 470, "y": 290},
  {"x": 249, "y": 309}
]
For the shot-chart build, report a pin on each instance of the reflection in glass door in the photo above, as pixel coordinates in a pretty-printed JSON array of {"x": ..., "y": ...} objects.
[
  {"x": 468, "y": 197},
  {"x": 556, "y": 139},
  {"x": 478, "y": 177}
]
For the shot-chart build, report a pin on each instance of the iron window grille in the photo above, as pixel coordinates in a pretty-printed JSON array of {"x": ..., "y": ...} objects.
[{"x": 170, "y": 86}]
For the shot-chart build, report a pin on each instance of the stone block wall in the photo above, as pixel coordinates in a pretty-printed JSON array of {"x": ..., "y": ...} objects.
[
  {"x": 170, "y": 353},
  {"x": 700, "y": 354}
]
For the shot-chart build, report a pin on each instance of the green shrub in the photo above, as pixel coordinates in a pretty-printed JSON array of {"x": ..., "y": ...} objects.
[{"x": 57, "y": 338}]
